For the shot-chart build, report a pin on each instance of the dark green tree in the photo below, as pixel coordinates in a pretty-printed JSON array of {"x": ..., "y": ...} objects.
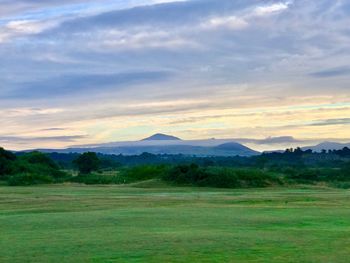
[
  {"x": 6, "y": 159},
  {"x": 87, "y": 162},
  {"x": 39, "y": 158}
]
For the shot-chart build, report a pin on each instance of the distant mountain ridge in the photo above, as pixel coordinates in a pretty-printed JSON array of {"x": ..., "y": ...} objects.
[
  {"x": 164, "y": 144},
  {"x": 232, "y": 146},
  {"x": 240, "y": 150},
  {"x": 160, "y": 143},
  {"x": 327, "y": 146}
]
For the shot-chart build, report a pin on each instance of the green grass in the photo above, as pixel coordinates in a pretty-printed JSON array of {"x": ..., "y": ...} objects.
[{"x": 157, "y": 223}]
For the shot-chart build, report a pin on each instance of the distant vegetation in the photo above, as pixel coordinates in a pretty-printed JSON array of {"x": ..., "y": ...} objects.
[
  {"x": 290, "y": 167},
  {"x": 87, "y": 162},
  {"x": 30, "y": 168},
  {"x": 221, "y": 177}
]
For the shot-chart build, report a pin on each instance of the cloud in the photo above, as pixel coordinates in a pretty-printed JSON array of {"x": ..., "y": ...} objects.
[
  {"x": 340, "y": 121},
  {"x": 77, "y": 83},
  {"x": 230, "y": 22},
  {"x": 242, "y": 68},
  {"x": 53, "y": 129},
  {"x": 138, "y": 39},
  {"x": 331, "y": 73},
  {"x": 270, "y": 9},
  {"x": 26, "y": 26},
  {"x": 35, "y": 8},
  {"x": 24, "y": 140},
  {"x": 272, "y": 140},
  {"x": 240, "y": 21},
  {"x": 27, "y": 112},
  {"x": 20, "y": 28}
]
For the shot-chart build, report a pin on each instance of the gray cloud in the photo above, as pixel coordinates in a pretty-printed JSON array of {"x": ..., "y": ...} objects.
[
  {"x": 53, "y": 129},
  {"x": 271, "y": 140},
  {"x": 333, "y": 72},
  {"x": 170, "y": 14},
  {"x": 341, "y": 121},
  {"x": 278, "y": 140},
  {"x": 21, "y": 140},
  {"x": 77, "y": 83},
  {"x": 106, "y": 56}
]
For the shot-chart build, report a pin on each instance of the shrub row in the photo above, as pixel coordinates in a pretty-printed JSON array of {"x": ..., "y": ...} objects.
[
  {"x": 221, "y": 177},
  {"x": 29, "y": 168}
]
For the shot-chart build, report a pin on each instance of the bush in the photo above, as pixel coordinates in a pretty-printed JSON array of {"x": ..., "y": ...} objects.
[
  {"x": 28, "y": 179},
  {"x": 342, "y": 185},
  {"x": 144, "y": 172},
  {"x": 345, "y": 170},
  {"x": 98, "y": 178},
  {"x": 220, "y": 177},
  {"x": 22, "y": 166},
  {"x": 319, "y": 175},
  {"x": 39, "y": 159},
  {"x": 30, "y": 168}
]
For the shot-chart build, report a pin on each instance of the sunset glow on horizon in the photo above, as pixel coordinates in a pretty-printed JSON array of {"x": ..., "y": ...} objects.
[{"x": 84, "y": 72}]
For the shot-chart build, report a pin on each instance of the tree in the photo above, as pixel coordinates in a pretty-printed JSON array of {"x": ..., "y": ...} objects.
[
  {"x": 87, "y": 162},
  {"x": 6, "y": 159},
  {"x": 40, "y": 158},
  {"x": 7, "y": 154},
  {"x": 346, "y": 170}
]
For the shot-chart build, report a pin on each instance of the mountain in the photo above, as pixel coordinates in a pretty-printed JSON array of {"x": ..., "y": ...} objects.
[
  {"x": 232, "y": 146},
  {"x": 161, "y": 137},
  {"x": 227, "y": 149},
  {"x": 327, "y": 146},
  {"x": 235, "y": 148},
  {"x": 165, "y": 144}
]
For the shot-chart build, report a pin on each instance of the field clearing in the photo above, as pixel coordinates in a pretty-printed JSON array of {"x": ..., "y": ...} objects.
[{"x": 75, "y": 223}]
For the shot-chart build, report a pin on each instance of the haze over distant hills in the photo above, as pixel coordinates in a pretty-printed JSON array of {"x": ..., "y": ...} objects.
[
  {"x": 160, "y": 143},
  {"x": 256, "y": 72},
  {"x": 166, "y": 144},
  {"x": 327, "y": 146}
]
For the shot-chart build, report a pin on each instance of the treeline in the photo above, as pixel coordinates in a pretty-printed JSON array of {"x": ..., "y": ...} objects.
[
  {"x": 289, "y": 167},
  {"x": 30, "y": 168},
  {"x": 291, "y": 158},
  {"x": 221, "y": 177}
]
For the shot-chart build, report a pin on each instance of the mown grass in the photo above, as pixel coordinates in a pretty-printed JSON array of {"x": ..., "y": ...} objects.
[{"x": 158, "y": 223}]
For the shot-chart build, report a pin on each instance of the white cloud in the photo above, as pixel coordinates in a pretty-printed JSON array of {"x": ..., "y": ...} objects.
[
  {"x": 270, "y": 9},
  {"x": 138, "y": 38},
  {"x": 25, "y": 112},
  {"x": 17, "y": 28},
  {"x": 241, "y": 21},
  {"x": 273, "y": 48},
  {"x": 231, "y": 22},
  {"x": 25, "y": 26}
]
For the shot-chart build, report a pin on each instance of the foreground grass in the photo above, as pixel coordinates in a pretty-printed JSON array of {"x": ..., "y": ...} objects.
[{"x": 71, "y": 223}]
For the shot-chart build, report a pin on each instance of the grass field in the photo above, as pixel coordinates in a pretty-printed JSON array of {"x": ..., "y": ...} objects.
[{"x": 72, "y": 223}]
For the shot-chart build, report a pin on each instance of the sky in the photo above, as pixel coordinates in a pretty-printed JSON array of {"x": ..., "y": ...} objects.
[{"x": 87, "y": 71}]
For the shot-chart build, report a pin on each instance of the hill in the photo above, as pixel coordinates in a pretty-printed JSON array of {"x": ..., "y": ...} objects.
[
  {"x": 232, "y": 146},
  {"x": 161, "y": 137},
  {"x": 227, "y": 149},
  {"x": 327, "y": 146}
]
